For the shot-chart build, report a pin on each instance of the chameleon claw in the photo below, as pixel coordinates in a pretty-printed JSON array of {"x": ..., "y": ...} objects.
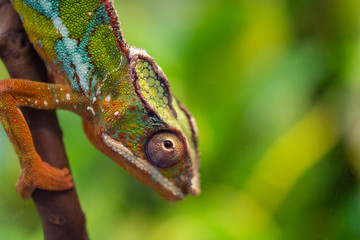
[{"x": 43, "y": 176}]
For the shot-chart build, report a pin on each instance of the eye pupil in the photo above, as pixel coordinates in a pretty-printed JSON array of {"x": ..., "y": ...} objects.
[{"x": 168, "y": 144}]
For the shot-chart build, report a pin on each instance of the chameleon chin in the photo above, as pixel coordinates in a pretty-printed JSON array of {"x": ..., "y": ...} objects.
[{"x": 122, "y": 95}]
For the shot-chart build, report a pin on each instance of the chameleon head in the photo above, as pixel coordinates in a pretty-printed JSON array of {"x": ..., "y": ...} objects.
[{"x": 150, "y": 133}]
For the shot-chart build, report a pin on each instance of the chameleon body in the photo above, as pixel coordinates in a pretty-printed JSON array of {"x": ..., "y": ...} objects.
[{"x": 122, "y": 95}]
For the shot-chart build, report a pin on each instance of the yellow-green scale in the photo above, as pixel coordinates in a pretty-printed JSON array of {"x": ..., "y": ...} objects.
[
  {"x": 76, "y": 15},
  {"x": 38, "y": 28},
  {"x": 153, "y": 89}
]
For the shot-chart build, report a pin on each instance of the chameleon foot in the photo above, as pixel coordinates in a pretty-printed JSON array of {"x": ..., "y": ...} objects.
[{"x": 43, "y": 176}]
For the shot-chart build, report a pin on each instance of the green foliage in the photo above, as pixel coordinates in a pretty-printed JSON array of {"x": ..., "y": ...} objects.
[{"x": 274, "y": 86}]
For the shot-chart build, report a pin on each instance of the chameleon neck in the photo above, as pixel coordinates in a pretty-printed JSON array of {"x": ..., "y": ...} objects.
[{"x": 81, "y": 41}]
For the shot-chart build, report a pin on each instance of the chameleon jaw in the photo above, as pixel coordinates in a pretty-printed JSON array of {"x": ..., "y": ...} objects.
[{"x": 148, "y": 173}]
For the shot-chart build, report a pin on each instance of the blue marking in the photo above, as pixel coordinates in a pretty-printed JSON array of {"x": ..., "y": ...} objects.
[
  {"x": 69, "y": 53},
  {"x": 41, "y": 44},
  {"x": 49, "y": 8}
]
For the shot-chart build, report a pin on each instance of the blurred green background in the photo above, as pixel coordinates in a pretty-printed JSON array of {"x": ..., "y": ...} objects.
[{"x": 275, "y": 88}]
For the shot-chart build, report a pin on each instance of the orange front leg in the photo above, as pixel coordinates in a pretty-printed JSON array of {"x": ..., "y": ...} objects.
[{"x": 15, "y": 93}]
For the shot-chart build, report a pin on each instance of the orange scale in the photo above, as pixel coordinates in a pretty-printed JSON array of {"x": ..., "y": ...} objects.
[
  {"x": 106, "y": 105},
  {"x": 122, "y": 135}
]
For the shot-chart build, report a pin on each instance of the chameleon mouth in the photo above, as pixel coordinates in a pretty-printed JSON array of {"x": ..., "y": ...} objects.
[{"x": 147, "y": 173}]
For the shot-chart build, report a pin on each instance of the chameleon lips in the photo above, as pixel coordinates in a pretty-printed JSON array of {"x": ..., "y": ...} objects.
[{"x": 167, "y": 186}]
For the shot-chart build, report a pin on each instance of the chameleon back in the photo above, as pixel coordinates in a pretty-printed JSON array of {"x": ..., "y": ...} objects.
[{"x": 80, "y": 41}]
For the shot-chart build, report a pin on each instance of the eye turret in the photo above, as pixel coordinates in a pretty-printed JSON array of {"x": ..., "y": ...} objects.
[{"x": 165, "y": 149}]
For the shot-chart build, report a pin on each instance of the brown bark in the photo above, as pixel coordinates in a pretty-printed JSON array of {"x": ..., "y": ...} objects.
[{"x": 60, "y": 212}]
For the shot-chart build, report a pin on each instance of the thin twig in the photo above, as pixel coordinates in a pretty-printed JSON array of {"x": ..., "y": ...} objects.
[{"x": 60, "y": 212}]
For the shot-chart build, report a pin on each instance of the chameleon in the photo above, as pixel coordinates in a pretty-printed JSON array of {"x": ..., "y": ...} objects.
[{"x": 123, "y": 97}]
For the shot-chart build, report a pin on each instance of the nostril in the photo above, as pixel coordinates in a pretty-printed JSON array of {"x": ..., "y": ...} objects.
[{"x": 190, "y": 188}]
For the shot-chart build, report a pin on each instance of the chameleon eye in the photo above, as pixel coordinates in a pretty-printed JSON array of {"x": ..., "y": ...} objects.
[{"x": 164, "y": 149}]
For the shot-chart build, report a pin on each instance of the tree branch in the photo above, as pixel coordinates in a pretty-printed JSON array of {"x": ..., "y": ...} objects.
[{"x": 60, "y": 212}]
